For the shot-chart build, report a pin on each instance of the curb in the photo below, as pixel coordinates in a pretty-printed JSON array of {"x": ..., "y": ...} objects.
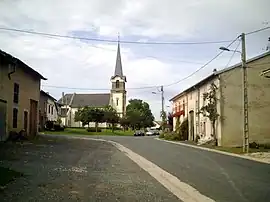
[{"x": 217, "y": 151}]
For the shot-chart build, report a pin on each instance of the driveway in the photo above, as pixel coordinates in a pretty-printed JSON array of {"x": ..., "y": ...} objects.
[
  {"x": 76, "y": 170},
  {"x": 220, "y": 177}
]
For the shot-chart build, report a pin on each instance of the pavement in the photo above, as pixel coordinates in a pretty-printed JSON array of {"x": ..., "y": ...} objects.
[
  {"x": 220, "y": 177},
  {"x": 57, "y": 169}
]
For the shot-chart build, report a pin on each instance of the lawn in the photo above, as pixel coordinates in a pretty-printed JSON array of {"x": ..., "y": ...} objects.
[
  {"x": 82, "y": 131},
  {"x": 7, "y": 175}
]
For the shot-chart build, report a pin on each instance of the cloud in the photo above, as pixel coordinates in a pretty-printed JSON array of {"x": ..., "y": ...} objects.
[{"x": 85, "y": 64}]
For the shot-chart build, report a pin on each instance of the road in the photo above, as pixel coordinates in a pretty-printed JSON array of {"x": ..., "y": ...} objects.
[
  {"x": 76, "y": 170},
  {"x": 220, "y": 177}
]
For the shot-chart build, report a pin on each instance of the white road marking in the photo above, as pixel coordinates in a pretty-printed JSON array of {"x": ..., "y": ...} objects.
[{"x": 181, "y": 190}]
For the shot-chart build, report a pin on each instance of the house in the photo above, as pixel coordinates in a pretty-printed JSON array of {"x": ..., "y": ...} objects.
[
  {"x": 157, "y": 125},
  {"x": 229, "y": 125},
  {"x": 19, "y": 96},
  {"x": 70, "y": 103},
  {"x": 48, "y": 109}
]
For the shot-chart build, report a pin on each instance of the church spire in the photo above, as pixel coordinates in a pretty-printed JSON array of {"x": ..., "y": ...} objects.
[{"x": 118, "y": 66}]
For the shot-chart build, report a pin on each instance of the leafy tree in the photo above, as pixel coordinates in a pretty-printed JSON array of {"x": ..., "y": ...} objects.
[
  {"x": 124, "y": 122},
  {"x": 170, "y": 120},
  {"x": 111, "y": 116},
  {"x": 83, "y": 115},
  {"x": 139, "y": 114},
  {"x": 96, "y": 115},
  {"x": 210, "y": 109}
]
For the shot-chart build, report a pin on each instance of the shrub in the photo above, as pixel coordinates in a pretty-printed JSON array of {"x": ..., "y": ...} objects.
[
  {"x": 49, "y": 125},
  {"x": 93, "y": 130},
  {"x": 171, "y": 136},
  {"x": 184, "y": 130},
  {"x": 161, "y": 135}
]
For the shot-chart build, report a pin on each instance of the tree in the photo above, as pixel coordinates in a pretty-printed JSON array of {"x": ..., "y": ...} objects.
[
  {"x": 83, "y": 115},
  {"x": 111, "y": 116},
  {"x": 170, "y": 120},
  {"x": 124, "y": 122},
  {"x": 139, "y": 114},
  {"x": 97, "y": 116},
  {"x": 210, "y": 109}
]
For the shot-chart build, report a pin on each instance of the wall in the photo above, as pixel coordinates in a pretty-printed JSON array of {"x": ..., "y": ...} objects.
[
  {"x": 120, "y": 94},
  {"x": 259, "y": 104},
  {"x": 29, "y": 88}
]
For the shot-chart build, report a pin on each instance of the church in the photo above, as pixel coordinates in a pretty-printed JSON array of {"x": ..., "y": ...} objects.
[{"x": 70, "y": 103}]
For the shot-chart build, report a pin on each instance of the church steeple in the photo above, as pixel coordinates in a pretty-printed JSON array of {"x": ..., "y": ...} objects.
[{"x": 118, "y": 65}]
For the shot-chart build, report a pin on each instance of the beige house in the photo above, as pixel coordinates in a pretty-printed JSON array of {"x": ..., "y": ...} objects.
[
  {"x": 229, "y": 126},
  {"x": 19, "y": 96},
  {"x": 70, "y": 103}
]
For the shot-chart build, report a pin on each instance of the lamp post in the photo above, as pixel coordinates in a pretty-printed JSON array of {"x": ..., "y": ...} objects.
[
  {"x": 162, "y": 106},
  {"x": 245, "y": 93}
]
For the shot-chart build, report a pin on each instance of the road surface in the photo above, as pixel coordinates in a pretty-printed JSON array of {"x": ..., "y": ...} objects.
[
  {"x": 220, "y": 177},
  {"x": 76, "y": 170}
]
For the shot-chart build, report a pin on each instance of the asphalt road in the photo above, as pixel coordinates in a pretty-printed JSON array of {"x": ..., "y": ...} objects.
[
  {"x": 220, "y": 177},
  {"x": 76, "y": 170}
]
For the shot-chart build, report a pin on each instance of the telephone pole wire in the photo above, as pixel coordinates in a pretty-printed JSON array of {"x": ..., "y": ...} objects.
[{"x": 245, "y": 97}]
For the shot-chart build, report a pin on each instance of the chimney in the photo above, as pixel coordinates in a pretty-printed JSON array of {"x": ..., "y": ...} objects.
[{"x": 63, "y": 95}]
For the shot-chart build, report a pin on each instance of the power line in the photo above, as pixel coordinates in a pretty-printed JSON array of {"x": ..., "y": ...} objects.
[
  {"x": 233, "y": 54},
  {"x": 113, "y": 41},
  {"x": 174, "y": 83},
  {"x": 258, "y": 30}
]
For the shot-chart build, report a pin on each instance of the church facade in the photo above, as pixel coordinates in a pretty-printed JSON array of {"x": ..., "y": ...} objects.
[{"x": 70, "y": 103}]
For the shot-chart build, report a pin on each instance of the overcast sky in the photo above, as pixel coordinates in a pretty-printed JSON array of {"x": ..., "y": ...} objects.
[{"x": 86, "y": 64}]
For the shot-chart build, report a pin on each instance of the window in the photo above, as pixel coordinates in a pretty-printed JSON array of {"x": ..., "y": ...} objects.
[
  {"x": 15, "y": 117},
  {"x": 52, "y": 110},
  {"x": 117, "y": 84},
  {"x": 49, "y": 109},
  {"x": 117, "y": 101},
  {"x": 16, "y": 93}
]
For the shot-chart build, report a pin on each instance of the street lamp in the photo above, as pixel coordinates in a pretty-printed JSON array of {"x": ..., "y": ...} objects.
[{"x": 245, "y": 92}]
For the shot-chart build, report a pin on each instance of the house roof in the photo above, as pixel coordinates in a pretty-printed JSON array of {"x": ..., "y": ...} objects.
[
  {"x": 82, "y": 100},
  {"x": 20, "y": 63},
  {"x": 47, "y": 95},
  {"x": 216, "y": 73}
]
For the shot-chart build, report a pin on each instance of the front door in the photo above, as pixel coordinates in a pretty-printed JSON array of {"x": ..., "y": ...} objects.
[
  {"x": 3, "y": 116},
  {"x": 33, "y": 118}
]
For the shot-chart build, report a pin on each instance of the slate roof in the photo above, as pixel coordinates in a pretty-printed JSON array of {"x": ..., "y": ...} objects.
[
  {"x": 21, "y": 64},
  {"x": 118, "y": 65},
  {"x": 81, "y": 100},
  {"x": 47, "y": 95}
]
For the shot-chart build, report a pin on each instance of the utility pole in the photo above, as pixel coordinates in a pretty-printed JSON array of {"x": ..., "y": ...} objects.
[
  {"x": 245, "y": 96},
  {"x": 162, "y": 108}
]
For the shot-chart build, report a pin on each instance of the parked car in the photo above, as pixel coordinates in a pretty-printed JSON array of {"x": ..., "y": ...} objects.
[
  {"x": 152, "y": 132},
  {"x": 139, "y": 133}
]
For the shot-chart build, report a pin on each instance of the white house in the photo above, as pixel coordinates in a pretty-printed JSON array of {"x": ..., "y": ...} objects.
[
  {"x": 229, "y": 125},
  {"x": 70, "y": 103}
]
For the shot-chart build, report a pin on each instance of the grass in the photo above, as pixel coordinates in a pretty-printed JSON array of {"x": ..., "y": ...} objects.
[
  {"x": 82, "y": 131},
  {"x": 7, "y": 175}
]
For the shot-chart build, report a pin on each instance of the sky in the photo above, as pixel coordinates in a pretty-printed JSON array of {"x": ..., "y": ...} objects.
[{"x": 74, "y": 65}]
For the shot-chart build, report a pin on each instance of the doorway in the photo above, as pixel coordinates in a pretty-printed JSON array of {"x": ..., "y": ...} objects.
[
  {"x": 33, "y": 118},
  {"x": 3, "y": 116},
  {"x": 191, "y": 118},
  {"x": 25, "y": 121}
]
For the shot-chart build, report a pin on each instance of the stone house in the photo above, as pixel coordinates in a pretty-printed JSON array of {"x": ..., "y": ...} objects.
[
  {"x": 19, "y": 96},
  {"x": 48, "y": 110},
  {"x": 229, "y": 125},
  {"x": 70, "y": 103}
]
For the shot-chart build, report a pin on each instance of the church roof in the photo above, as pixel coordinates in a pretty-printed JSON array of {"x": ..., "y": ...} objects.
[
  {"x": 118, "y": 65},
  {"x": 81, "y": 100}
]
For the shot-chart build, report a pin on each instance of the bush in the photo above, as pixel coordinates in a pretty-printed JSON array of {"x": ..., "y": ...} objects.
[
  {"x": 171, "y": 136},
  {"x": 49, "y": 125},
  {"x": 161, "y": 135},
  {"x": 93, "y": 130}
]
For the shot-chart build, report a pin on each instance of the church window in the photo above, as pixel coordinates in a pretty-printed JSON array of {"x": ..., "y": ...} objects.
[{"x": 117, "y": 84}]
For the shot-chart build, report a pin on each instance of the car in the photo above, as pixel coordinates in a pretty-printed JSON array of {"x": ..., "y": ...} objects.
[
  {"x": 139, "y": 133},
  {"x": 152, "y": 132}
]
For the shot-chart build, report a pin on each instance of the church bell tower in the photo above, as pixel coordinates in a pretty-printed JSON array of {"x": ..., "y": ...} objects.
[{"x": 118, "y": 91}]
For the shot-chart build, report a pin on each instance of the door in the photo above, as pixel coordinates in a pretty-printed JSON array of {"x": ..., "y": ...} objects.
[
  {"x": 33, "y": 118},
  {"x": 3, "y": 116},
  {"x": 25, "y": 121}
]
